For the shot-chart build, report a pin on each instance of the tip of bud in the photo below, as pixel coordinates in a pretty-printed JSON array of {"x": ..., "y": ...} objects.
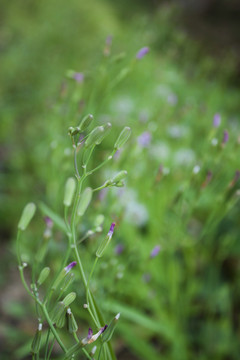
[
  {"x": 117, "y": 316},
  {"x": 112, "y": 227}
]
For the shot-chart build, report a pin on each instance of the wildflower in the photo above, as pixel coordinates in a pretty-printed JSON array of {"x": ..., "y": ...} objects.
[
  {"x": 91, "y": 338},
  {"x": 216, "y": 120},
  {"x": 225, "y": 137},
  {"x": 142, "y": 52},
  {"x": 79, "y": 77},
  {"x": 144, "y": 139},
  {"x": 119, "y": 249},
  {"x": 70, "y": 266},
  {"x": 155, "y": 251}
]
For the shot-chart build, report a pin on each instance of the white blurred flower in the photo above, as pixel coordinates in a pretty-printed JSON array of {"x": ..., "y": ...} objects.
[
  {"x": 159, "y": 151},
  {"x": 184, "y": 157},
  {"x": 177, "y": 131}
]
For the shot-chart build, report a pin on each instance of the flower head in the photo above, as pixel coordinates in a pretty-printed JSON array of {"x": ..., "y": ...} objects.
[
  {"x": 70, "y": 266},
  {"x": 110, "y": 233},
  {"x": 142, "y": 52}
]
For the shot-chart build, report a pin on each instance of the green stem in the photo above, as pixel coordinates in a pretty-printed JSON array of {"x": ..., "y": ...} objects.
[
  {"x": 89, "y": 278},
  {"x": 47, "y": 343},
  {"x": 44, "y": 309}
]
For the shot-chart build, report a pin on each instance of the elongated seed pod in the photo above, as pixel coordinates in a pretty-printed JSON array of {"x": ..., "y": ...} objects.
[
  {"x": 122, "y": 138},
  {"x": 27, "y": 215},
  {"x": 43, "y": 275},
  {"x": 84, "y": 201},
  {"x": 69, "y": 191},
  {"x": 86, "y": 121},
  {"x": 94, "y": 136}
]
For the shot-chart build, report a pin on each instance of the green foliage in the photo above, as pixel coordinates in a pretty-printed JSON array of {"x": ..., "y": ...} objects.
[{"x": 182, "y": 189}]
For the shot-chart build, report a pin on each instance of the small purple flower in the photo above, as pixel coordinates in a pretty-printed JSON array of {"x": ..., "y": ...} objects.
[
  {"x": 79, "y": 77},
  {"x": 119, "y": 249},
  {"x": 225, "y": 137},
  {"x": 110, "y": 233},
  {"x": 103, "y": 328},
  {"x": 216, "y": 120},
  {"x": 70, "y": 266},
  {"x": 90, "y": 334},
  {"x": 155, "y": 251},
  {"x": 144, "y": 139},
  {"x": 48, "y": 222},
  {"x": 142, "y": 52}
]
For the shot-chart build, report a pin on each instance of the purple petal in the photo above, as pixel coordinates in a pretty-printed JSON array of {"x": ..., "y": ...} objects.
[
  {"x": 90, "y": 334},
  {"x": 216, "y": 120},
  {"x": 225, "y": 137},
  {"x": 142, "y": 52},
  {"x": 79, "y": 77},
  {"x": 119, "y": 249},
  {"x": 103, "y": 328},
  {"x": 155, "y": 251},
  {"x": 110, "y": 233},
  {"x": 70, "y": 266},
  {"x": 48, "y": 222},
  {"x": 144, "y": 139}
]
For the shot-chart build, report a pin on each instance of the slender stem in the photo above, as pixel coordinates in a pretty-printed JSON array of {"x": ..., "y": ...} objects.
[
  {"x": 102, "y": 164},
  {"x": 89, "y": 278},
  {"x": 44, "y": 309},
  {"x": 47, "y": 343},
  {"x": 75, "y": 162},
  {"x": 100, "y": 187},
  {"x": 50, "y": 350}
]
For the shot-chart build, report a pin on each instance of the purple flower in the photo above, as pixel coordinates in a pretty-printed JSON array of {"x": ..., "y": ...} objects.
[
  {"x": 225, "y": 137},
  {"x": 142, "y": 52},
  {"x": 110, "y": 233},
  {"x": 103, "y": 328},
  {"x": 70, "y": 266},
  {"x": 79, "y": 77},
  {"x": 155, "y": 251},
  {"x": 119, "y": 249},
  {"x": 216, "y": 120},
  {"x": 90, "y": 334},
  {"x": 48, "y": 222},
  {"x": 144, "y": 139}
]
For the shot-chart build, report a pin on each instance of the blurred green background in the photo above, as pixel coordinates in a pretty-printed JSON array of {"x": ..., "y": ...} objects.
[{"x": 182, "y": 187}]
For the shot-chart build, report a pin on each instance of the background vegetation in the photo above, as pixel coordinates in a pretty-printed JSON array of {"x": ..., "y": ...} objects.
[{"x": 182, "y": 187}]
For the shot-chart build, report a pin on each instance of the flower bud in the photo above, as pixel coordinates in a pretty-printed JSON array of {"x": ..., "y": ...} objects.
[
  {"x": 69, "y": 299},
  {"x": 43, "y": 275},
  {"x": 36, "y": 343},
  {"x": 119, "y": 177},
  {"x": 71, "y": 322},
  {"x": 86, "y": 121},
  {"x": 27, "y": 215},
  {"x": 107, "y": 128},
  {"x": 63, "y": 275},
  {"x": 69, "y": 191},
  {"x": 85, "y": 200},
  {"x": 122, "y": 138},
  {"x": 103, "y": 245},
  {"x": 107, "y": 335},
  {"x": 59, "y": 314},
  {"x": 67, "y": 281},
  {"x": 94, "y": 136}
]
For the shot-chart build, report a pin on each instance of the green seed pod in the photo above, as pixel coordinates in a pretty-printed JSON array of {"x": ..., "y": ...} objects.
[
  {"x": 69, "y": 299},
  {"x": 107, "y": 128},
  {"x": 67, "y": 281},
  {"x": 27, "y": 215},
  {"x": 94, "y": 136},
  {"x": 71, "y": 322},
  {"x": 84, "y": 201},
  {"x": 86, "y": 121},
  {"x": 59, "y": 314},
  {"x": 75, "y": 131},
  {"x": 69, "y": 191},
  {"x": 107, "y": 335},
  {"x": 43, "y": 275},
  {"x": 119, "y": 177},
  {"x": 123, "y": 137},
  {"x": 36, "y": 343}
]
